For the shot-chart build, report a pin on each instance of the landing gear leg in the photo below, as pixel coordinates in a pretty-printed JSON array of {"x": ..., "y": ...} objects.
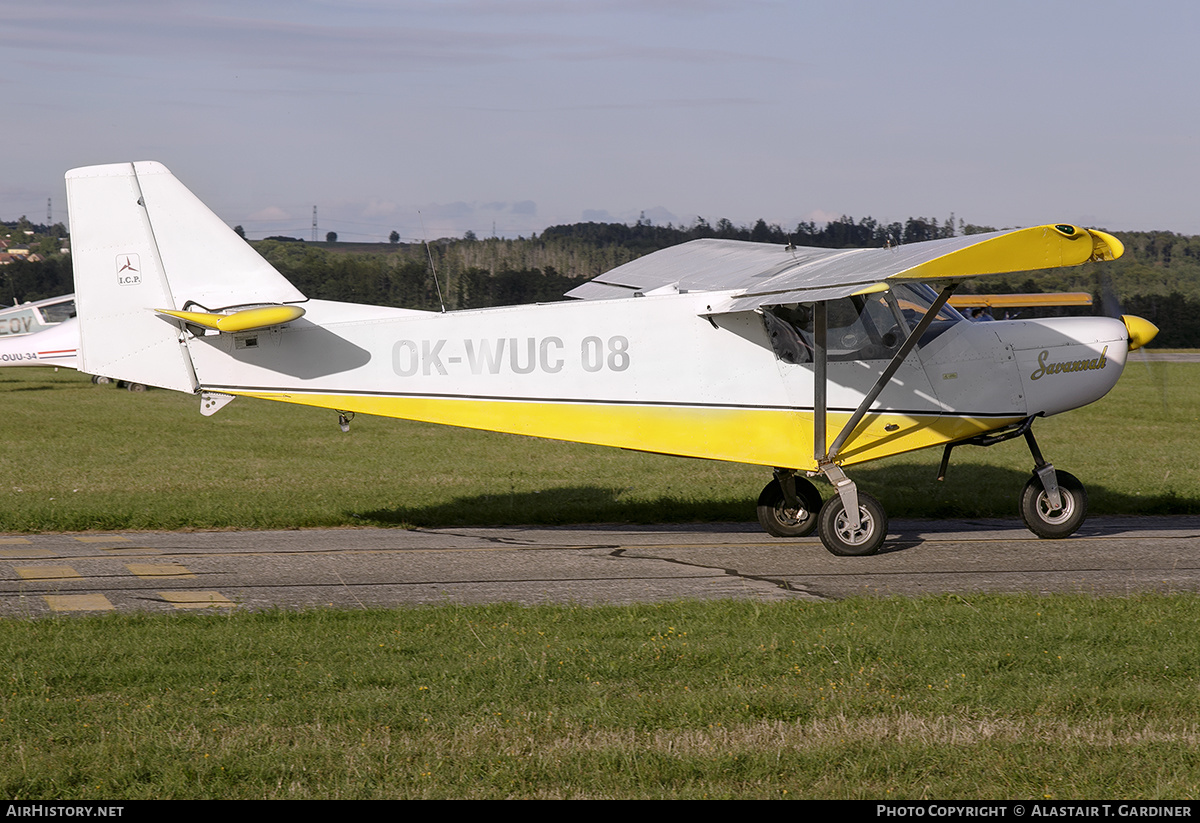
[
  {"x": 852, "y": 523},
  {"x": 1053, "y": 503}
]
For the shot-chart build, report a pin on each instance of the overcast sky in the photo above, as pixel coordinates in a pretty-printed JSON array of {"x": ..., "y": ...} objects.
[{"x": 469, "y": 114}]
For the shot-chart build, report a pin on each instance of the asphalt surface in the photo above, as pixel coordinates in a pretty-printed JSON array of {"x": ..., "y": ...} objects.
[{"x": 357, "y": 568}]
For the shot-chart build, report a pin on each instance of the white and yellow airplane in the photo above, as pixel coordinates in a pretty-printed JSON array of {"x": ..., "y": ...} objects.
[{"x": 802, "y": 360}]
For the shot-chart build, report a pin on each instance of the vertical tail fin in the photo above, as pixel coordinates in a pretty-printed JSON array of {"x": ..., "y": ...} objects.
[{"x": 141, "y": 241}]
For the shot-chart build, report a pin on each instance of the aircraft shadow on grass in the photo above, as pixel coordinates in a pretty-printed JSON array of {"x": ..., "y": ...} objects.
[
  {"x": 908, "y": 490},
  {"x": 556, "y": 507},
  {"x": 8, "y": 386}
]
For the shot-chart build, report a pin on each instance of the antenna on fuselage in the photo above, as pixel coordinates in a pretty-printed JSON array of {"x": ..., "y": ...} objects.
[{"x": 432, "y": 267}]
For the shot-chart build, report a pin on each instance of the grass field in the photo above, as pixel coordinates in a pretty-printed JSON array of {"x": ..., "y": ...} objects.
[
  {"x": 939, "y": 697},
  {"x": 81, "y": 457},
  {"x": 935, "y": 698}
]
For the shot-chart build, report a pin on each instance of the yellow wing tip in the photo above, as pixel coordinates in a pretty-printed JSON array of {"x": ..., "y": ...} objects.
[{"x": 1105, "y": 246}]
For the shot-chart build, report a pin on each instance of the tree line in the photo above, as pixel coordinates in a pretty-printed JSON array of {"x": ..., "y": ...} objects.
[{"x": 1158, "y": 278}]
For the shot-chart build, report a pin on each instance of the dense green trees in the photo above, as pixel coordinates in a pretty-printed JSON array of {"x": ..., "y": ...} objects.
[
  {"x": 24, "y": 280},
  {"x": 1158, "y": 278}
]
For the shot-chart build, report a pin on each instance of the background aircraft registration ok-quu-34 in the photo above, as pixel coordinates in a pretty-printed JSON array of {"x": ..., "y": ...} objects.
[
  {"x": 41, "y": 333},
  {"x": 802, "y": 360}
]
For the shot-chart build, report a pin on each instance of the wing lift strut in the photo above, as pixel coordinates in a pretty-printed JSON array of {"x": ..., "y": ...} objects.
[
  {"x": 827, "y": 458},
  {"x": 861, "y": 525}
]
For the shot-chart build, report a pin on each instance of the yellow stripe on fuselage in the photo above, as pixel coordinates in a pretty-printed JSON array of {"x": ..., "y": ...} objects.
[{"x": 765, "y": 437}]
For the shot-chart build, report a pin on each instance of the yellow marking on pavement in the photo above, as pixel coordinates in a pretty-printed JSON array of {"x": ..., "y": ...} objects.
[
  {"x": 159, "y": 570},
  {"x": 47, "y": 572},
  {"x": 197, "y": 600},
  {"x": 15, "y": 540},
  {"x": 78, "y": 602},
  {"x": 103, "y": 538},
  {"x": 23, "y": 553}
]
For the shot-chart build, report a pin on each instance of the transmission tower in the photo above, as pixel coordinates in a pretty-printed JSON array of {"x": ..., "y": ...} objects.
[
  {"x": 49, "y": 218},
  {"x": 314, "y": 224}
]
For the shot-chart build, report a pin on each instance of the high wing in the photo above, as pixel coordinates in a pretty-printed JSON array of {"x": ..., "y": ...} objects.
[{"x": 761, "y": 274}]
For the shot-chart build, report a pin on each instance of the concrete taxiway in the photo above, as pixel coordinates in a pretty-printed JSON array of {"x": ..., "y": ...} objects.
[{"x": 357, "y": 568}]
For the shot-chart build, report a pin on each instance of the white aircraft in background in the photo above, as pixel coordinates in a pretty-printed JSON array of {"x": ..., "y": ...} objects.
[
  {"x": 40, "y": 333},
  {"x": 45, "y": 333},
  {"x": 38, "y": 315},
  {"x": 802, "y": 360}
]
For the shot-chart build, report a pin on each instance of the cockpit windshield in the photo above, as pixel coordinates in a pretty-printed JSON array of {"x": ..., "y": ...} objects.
[{"x": 860, "y": 327}]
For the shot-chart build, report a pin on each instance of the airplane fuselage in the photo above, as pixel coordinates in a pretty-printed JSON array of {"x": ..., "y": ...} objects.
[{"x": 654, "y": 374}]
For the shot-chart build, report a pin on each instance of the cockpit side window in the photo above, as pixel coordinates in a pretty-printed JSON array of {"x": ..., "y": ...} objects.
[
  {"x": 791, "y": 331},
  {"x": 58, "y": 312},
  {"x": 861, "y": 327}
]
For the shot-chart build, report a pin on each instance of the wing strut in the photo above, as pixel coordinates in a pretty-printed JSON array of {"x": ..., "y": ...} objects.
[{"x": 827, "y": 457}]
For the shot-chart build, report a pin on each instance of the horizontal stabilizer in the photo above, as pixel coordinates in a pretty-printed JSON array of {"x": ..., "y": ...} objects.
[{"x": 262, "y": 317}]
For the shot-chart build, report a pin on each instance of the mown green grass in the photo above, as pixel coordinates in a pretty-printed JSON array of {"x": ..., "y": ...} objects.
[
  {"x": 987, "y": 697},
  {"x": 81, "y": 457}
]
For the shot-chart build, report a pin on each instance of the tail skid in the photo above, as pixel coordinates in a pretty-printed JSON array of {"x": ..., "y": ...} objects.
[{"x": 142, "y": 242}]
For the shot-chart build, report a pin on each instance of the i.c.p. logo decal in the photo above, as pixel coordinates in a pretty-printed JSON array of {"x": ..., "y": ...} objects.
[{"x": 129, "y": 270}]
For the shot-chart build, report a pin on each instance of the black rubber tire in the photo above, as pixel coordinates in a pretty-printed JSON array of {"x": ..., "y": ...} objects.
[
  {"x": 135, "y": 387},
  {"x": 873, "y": 526},
  {"x": 774, "y": 516},
  {"x": 1049, "y": 523}
]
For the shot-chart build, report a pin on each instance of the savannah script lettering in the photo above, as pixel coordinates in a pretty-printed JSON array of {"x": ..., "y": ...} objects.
[{"x": 1074, "y": 365}]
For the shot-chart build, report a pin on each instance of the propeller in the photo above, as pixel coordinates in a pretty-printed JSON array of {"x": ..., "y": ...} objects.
[{"x": 1141, "y": 332}]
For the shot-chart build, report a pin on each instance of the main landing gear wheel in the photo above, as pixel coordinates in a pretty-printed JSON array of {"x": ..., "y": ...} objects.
[
  {"x": 844, "y": 541},
  {"x": 1048, "y": 522},
  {"x": 780, "y": 521}
]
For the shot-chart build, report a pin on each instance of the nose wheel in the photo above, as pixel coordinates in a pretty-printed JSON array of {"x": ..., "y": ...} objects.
[
  {"x": 1053, "y": 503},
  {"x": 1048, "y": 519}
]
